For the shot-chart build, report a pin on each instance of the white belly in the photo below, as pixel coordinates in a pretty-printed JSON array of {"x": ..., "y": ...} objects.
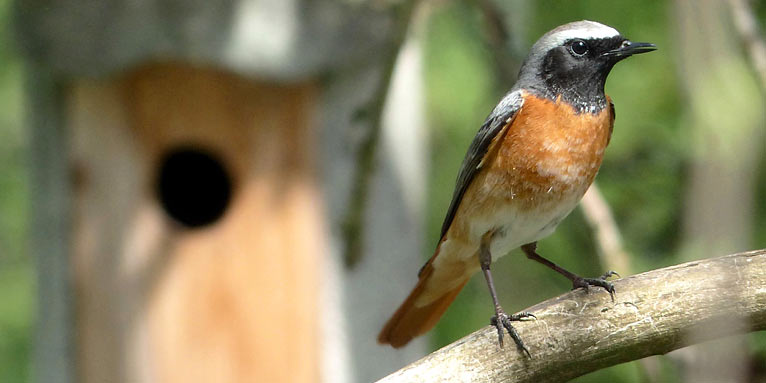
[
  {"x": 457, "y": 257},
  {"x": 515, "y": 228}
]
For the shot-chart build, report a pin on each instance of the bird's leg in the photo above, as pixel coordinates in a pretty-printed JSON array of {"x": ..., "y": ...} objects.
[
  {"x": 501, "y": 319},
  {"x": 530, "y": 250}
]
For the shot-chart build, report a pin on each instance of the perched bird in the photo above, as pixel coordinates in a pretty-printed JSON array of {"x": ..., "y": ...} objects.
[{"x": 527, "y": 168}]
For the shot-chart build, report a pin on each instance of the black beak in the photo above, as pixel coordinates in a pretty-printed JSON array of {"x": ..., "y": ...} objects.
[{"x": 629, "y": 48}]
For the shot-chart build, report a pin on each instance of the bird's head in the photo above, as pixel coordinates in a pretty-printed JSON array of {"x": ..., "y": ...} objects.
[{"x": 573, "y": 61}]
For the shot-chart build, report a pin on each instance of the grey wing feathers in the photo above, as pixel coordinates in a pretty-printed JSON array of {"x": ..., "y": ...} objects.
[{"x": 500, "y": 116}]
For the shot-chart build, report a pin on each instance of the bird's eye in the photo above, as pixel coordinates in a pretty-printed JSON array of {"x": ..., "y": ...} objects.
[{"x": 578, "y": 48}]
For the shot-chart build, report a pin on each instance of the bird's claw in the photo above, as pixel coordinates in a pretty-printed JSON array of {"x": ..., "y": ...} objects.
[
  {"x": 501, "y": 321},
  {"x": 598, "y": 282}
]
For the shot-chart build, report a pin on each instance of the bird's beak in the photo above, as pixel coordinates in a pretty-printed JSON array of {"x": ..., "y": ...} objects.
[{"x": 629, "y": 48}]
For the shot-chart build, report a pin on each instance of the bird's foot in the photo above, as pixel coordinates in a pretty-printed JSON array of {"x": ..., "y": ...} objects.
[
  {"x": 598, "y": 282},
  {"x": 502, "y": 320}
]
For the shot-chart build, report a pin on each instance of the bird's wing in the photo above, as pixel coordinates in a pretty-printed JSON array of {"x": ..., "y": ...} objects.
[{"x": 501, "y": 116}]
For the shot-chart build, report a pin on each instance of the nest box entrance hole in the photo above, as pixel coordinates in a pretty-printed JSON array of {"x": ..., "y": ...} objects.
[{"x": 193, "y": 186}]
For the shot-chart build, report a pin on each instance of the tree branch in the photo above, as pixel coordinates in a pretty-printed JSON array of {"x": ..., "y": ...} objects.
[
  {"x": 580, "y": 332},
  {"x": 747, "y": 26},
  {"x": 352, "y": 223},
  {"x": 498, "y": 39},
  {"x": 599, "y": 217}
]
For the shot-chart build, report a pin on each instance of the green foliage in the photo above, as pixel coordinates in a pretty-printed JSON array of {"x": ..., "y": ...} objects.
[
  {"x": 16, "y": 278},
  {"x": 17, "y": 300}
]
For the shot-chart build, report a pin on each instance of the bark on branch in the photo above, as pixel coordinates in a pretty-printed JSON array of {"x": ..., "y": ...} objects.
[{"x": 580, "y": 332}]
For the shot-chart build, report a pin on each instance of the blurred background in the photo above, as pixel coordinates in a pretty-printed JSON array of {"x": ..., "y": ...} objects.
[{"x": 684, "y": 176}]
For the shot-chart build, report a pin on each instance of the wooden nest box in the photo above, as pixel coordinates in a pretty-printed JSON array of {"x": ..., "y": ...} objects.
[{"x": 181, "y": 223}]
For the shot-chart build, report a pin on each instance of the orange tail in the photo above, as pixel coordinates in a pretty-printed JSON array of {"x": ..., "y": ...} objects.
[{"x": 409, "y": 320}]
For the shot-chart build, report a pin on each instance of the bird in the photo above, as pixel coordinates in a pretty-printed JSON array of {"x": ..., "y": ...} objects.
[{"x": 527, "y": 168}]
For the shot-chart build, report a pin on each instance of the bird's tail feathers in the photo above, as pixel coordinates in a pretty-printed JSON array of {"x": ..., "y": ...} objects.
[{"x": 412, "y": 320}]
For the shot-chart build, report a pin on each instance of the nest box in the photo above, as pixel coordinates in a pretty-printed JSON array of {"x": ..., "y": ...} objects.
[{"x": 182, "y": 173}]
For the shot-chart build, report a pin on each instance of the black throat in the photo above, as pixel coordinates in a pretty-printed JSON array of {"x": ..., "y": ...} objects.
[
  {"x": 578, "y": 81},
  {"x": 585, "y": 96}
]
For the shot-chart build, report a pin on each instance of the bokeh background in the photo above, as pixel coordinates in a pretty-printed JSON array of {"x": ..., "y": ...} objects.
[
  {"x": 684, "y": 175},
  {"x": 16, "y": 274}
]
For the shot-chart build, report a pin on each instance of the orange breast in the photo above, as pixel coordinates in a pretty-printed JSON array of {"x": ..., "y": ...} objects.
[
  {"x": 537, "y": 170},
  {"x": 550, "y": 152}
]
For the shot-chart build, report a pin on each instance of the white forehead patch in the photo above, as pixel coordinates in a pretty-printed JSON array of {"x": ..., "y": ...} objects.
[
  {"x": 584, "y": 30},
  {"x": 577, "y": 30}
]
